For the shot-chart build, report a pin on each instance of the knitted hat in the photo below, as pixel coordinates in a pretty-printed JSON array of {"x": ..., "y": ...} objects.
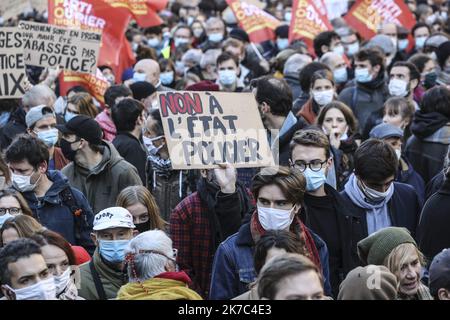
[
  {"x": 204, "y": 85},
  {"x": 369, "y": 283},
  {"x": 375, "y": 248}
]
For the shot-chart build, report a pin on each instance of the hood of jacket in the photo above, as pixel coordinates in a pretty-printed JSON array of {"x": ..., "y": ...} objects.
[
  {"x": 105, "y": 122},
  {"x": 60, "y": 182},
  {"x": 425, "y": 124},
  {"x": 110, "y": 157}
]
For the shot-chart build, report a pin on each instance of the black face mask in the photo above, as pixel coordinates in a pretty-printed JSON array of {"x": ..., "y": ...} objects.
[
  {"x": 67, "y": 149},
  {"x": 142, "y": 227}
]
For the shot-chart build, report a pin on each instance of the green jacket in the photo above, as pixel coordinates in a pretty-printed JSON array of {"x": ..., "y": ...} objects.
[
  {"x": 102, "y": 184},
  {"x": 111, "y": 279}
]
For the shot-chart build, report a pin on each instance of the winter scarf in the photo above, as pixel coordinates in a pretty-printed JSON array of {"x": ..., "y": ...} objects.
[{"x": 432, "y": 127}]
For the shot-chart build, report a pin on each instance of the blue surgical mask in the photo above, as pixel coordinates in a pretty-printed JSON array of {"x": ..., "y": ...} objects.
[
  {"x": 227, "y": 77},
  {"x": 139, "y": 76},
  {"x": 339, "y": 50},
  {"x": 288, "y": 16},
  {"x": 314, "y": 180},
  {"x": 403, "y": 44},
  {"x": 50, "y": 137},
  {"x": 113, "y": 250},
  {"x": 153, "y": 42},
  {"x": 282, "y": 43},
  {"x": 4, "y": 117},
  {"x": 340, "y": 75},
  {"x": 166, "y": 77},
  {"x": 180, "y": 41},
  {"x": 352, "y": 49},
  {"x": 362, "y": 75},
  {"x": 420, "y": 42},
  {"x": 215, "y": 37},
  {"x": 69, "y": 116},
  {"x": 5, "y": 217}
]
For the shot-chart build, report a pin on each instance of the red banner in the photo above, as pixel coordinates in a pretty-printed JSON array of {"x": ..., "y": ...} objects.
[
  {"x": 308, "y": 21},
  {"x": 143, "y": 11},
  {"x": 95, "y": 84},
  {"x": 256, "y": 22},
  {"x": 367, "y": 16}
]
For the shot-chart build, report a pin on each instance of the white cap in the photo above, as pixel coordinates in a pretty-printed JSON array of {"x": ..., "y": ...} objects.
[{"x": 115, "y": 217}]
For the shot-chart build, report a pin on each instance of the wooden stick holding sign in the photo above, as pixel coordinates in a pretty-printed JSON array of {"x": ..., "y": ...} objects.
[
  {"x": 12, "y": 67},
  {"x": 205, "y": 129},
  {"x": 50, "y": 46}
]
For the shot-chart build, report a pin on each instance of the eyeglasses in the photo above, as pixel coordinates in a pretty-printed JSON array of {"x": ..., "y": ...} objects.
[
  {"x": 14, "y": 211},
  {"x": 315, "y": 165}
]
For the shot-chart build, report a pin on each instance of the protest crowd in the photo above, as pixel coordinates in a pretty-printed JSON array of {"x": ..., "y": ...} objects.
[{"x": 97, "y": 202}]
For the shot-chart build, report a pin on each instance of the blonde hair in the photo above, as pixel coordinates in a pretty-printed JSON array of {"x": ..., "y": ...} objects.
[
  {"x": 140, "y": 195},
  {"x": 85, "y": 104},
  {"x": 400, "y": 255}
]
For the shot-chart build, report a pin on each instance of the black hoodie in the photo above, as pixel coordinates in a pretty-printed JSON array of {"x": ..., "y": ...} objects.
[{"x": 15, "y": 126}]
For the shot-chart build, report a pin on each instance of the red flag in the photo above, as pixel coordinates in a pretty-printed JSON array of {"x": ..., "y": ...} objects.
[
  {"x": 367, "y": 16},
  {"x": 256, "y": 22},
  {"x": 95, "y": 15},
  {"x": 308, "y": 21},
  {"x": 143, "y": 11},
  {"x": 95, "y": 84}
]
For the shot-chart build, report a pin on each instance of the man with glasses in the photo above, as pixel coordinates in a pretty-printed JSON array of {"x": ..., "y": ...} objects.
[
  {"x": 372, "y": 199},
  {"x": 324, "y": 212}
]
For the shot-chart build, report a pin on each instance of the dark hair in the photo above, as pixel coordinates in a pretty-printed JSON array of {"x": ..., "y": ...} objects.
[
  {"x": 349, "y": 116},
  {"x": 47, "y": 237},
  {"x": 18, "y": 196},
  {"x": 125, "y": 113},
  {"x": 25, "y": 226},
  {"x": 307, "y": 72},
  {"x": 164, "y": 63},
  {"x": 276, "y": 93},
  {"x": 114, "y": 92},
  {"x": 322, "y": 74},
  {"x": 281, "y": 267},
  {"x": 153, "y": 30},
  {"x": 76, "y": 89},
  {"x": 419, "y": 25},
  {"x": 280, "y": 239},
  {"x": 414, "y": 74},
  {"x": 375, "y": 160},
  {"x": 399, "y": 106},
  {"x": 4, "y": 169},
  {"x": 12, "y": 252},
  {"x": 225, "y": 56},
  {"x": 323, "y": 39},
  {"x": 419, "y": 60},
  {"x": 436, "y": 99},
  {"x": 290, "y": 180},
  {"x": 26, "y": 147},
  {"x": 374, "y": 56},
  {"x": 313, "y": 138},
  {"x": 158, "y": 126}
]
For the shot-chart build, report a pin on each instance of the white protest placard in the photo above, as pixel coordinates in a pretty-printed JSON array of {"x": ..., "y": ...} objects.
[
  {"x": 205, "y": 129},
  {"x": 12, "y": 66},
  {"x": 50, "y": 46},
  {"x": 12, "y": 8}
]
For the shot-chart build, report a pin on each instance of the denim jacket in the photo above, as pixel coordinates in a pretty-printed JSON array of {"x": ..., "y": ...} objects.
[{"x": 233, "y": 268}]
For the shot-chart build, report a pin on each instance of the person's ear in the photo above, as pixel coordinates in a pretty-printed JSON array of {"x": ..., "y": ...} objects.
[
  {"x": 8, "y": 293},
  {"x": 265, "y": 108},
  {"x": 204, "y": 173},
  {"x": 43, "y": 167},
  {"x": 414, "y": 83},
  {"x": 324, "y": 48},
  {"x": 135, "y": 233},
  {"x": 94, "y": 239},
  {"x": 376, "y": 68},
  {"x": 169, "y": 267},
  {"x": 330, "y": 162},
  {"x": 443, "y": 294},
  {"x": 30, "y": 132}
]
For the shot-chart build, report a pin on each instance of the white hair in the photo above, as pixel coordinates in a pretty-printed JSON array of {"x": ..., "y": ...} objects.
[
  {"x": 295, "y": 63},
  {"x": 213, "y": 20},
  {"x": 39, "y": 94},
  {"x": 193, "y": 55},
  {"x": 149, "y": 264},
  {"x": 328, "y": 57},
  {"x": 210, "y": 57}
]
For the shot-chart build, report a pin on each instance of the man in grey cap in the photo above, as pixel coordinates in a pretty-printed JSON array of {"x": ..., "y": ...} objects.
[
  {"x": 405, "y": 172},
  {"x": 439, "y": 282},
  {"x": 41, "y": 124}
]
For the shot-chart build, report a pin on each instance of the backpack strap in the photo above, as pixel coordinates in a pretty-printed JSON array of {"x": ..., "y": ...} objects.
[
  {"x": 97, "y": 281},
  {"x": 80, "y": 218}
]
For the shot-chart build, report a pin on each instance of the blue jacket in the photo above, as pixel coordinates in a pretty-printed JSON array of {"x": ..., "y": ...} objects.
[
  {"x": 404, "y": 211},
  {"x": 406, "y": 174},
  {"x": 233, "y": 269},
  {"x": 56, "y": 215}
]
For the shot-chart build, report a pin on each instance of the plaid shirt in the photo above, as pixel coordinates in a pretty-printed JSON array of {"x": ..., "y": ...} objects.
[{"x": 191, "y": 234}]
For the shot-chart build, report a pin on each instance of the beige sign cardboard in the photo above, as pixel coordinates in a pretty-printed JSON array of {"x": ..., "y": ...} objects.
[
  {"x": 12, "y": 65},
  {"x": 204, "y": 129},
  {"x": 50, "y": 46}
]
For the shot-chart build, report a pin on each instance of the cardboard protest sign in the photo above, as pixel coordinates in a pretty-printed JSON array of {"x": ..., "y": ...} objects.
[
  {"x": 50, "y": 46},
  {"x": 308, "y": 21},
  {"x": 12, "y": 8},
  {"x": 367, "y": 16},
  {"x": 204, "y": 129},
  {"x": 96, "y": 84},
  {"x": 259, "y": 25},
  {"x": 12, "y": 66}
]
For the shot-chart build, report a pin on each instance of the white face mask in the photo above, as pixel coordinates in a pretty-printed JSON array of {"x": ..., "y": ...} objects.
[
  {"x": 23, "y": 183},
  {"x": 62, "y": 281},
  {"x": 323, "y": 97},
  {"x": 398, "y": 88},
  {"x": 374, "y": 195},
  {"x": 339, "y": 50},
  {"x": 3, "y": 185},
  {"x": 275, "y": 219},
  {"x": 398, "y": 152},
  {"x": 43, "y": 290}
]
